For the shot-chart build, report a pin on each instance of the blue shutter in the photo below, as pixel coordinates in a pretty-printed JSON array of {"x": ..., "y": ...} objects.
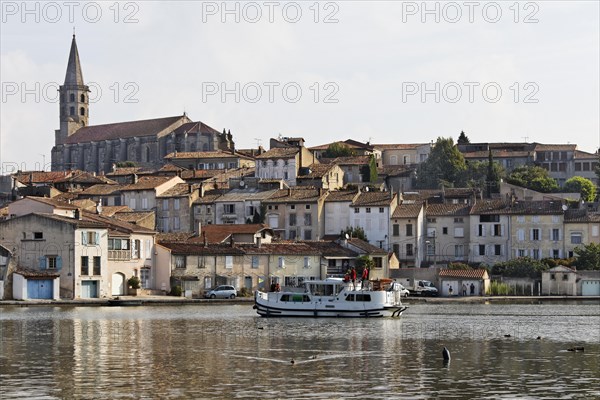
[
  {"x": 58, "y": 263},
  {"x": 97, "y": 238},
  {"x": 84, "y": 238},
  {"x": 42, "y": 262}
]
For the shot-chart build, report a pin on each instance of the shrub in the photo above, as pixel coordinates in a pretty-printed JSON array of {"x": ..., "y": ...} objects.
[
  {"x": 245, "y": 292},
  {"x": 176, "y": 291},
  {"x": 134, "y": 282},
  {"x": 499, "y": 289}
]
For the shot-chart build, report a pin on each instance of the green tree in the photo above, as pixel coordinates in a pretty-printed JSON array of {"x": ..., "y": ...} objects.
[
  {"x": 523, "y": 267},
  {"x": 579, "y": 184},
  {"x": 588, "y": 256},
  {"x": 463, "y": 138},
  {"x": 492, "y": 181},
  {"x": 533, "y": 177},
  {"x": 369, "y": 171},
  {"x": 355, "y": 232},
  {"x": 364, "y": 261},
  {"x": 458, "y": 265},
  {"x": 338, "y": 149},
  {"x": 445, "y": 166}
]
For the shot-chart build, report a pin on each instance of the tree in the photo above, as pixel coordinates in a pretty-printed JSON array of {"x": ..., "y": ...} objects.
[
  {"x": 579, "y": 184},
  {"x": 355, "y": 232},
  {"x": 492, "y": 181},
  {"x": 363, "y": 262},
  {"x": 338, "y": 149},
  {"x": 369, "y": 171},
  {"x": 445, "y": 166},
  {"x": 588, "y": 256},
  {"x": 533, "y": 177},
  {"x": 462, "y": 138},
  {"x": 523, "y": 267}
]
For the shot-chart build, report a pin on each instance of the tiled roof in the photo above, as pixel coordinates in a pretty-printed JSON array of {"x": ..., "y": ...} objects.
[
  {"x": 40, "y": 274},
  {"x": 279, "y": 152},
  {"x": 352, "y": 144},
  {"x": 170, "y": 168},
  {"x": 441, "y": 210},
  {"x": 179, "y": 190},
  {"x": 209, "y": 197},
  {"x": 200, "y": 173},
  {"x": 195, "y": 127},
  {"x": 53, "y": 202},
  {"x": 101, "y": 189},
  {"x": 583, "y": 215},
  {"x": 329, "y": 248},
  {"x": 27, "y": 177},
  {"x": 202, "y": 154},
  {"x": 499, "y": 153},
  {"x": 217, "y": 233},
  {"x": 131, "y": 216},
  {"x": 396, "y": 170},
  {"x": 86, "y": 178},
  {"x": 246, "y": 195},
  {"x": 555, "y": 147},
  {"x": 355, "y": 160},
  {"x": 411, "y": 210},
  {"x": 199, "y": 249},
  {"x": 517, "y": 208},
  {"x": 174, "y": 237},
  {"x": 317, "y": 171},
  {"x": 297, "y": 194},
  {"x": 374, "y": 199},
  {"x": 489, "y": 206},
  {"x": 463, "y": 273},
  {"x": 109, "y": 211},
  {"x": 147, "y": 183},
  {"x": 124, "y": 171},
  {"x": 399, "y": 146},
  {"x": 366, "y": 246},
  {"x": 341, "y": 196},
  {"x": 114, "y": 223},
  {"x": 122, "y": 130},
  {"x": 282, "y": 248},
  {"x": 583, "y": 155}
]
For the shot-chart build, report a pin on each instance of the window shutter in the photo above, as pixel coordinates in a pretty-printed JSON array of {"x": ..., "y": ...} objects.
[
  {"x": 531, "y": 234},
  {"x": 84, "y": 238},
  {"x": 560, "y": 235},
  {"x": 58, "y": 262},
  {"x": 97, "y": 238},
  {"x": 502, "y": 230},
  {"x": 42, "y": 262}
]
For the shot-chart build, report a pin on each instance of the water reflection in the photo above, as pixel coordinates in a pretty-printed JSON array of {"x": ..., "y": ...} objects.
[{"x": 228, "y": 352}]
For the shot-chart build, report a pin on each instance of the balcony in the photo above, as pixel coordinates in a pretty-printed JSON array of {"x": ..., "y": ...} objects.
[{"x": 119, "y": 255}]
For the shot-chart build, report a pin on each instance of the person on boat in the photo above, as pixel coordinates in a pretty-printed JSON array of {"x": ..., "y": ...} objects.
[
  {"x": 353, "y": 276},
  {"x": 347, "y": 276},
  {"x": 364, "y": 278},
  {"x": 273, "y": 286},
  {"x": 277, "y": 287}
]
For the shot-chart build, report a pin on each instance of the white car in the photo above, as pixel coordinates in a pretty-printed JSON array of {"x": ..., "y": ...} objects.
[
  {"x": 404, "y": 292},
  {"x": 222, "y": 292}
]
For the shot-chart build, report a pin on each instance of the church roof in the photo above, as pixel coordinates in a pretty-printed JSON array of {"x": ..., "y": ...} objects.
[{"x": 122, "y": 130}]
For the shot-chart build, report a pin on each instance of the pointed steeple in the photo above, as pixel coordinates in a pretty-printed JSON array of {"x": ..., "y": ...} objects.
[{"x": 74, "y": 75}]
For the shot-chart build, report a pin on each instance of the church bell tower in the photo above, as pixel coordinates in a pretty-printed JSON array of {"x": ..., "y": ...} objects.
[{"x": 74, "y": 99}]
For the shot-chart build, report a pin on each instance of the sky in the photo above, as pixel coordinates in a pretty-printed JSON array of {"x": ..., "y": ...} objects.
[{"x": 377, "y": 71}]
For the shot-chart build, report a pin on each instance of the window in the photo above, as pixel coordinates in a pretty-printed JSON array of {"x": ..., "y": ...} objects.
[
  {"x": 229, "y": 208},
  {"x": 497, "y": 249},
  {"x": 458, "y": 220},
  {"x": 254, "y": 262},
  {"x": 395, "y": 230},
  {"x": 555, "y": 235},
  {"x": 281, "y": 262},
  {"x": 118, "y": 244},
  {"x": 595, "y": 230},
  {"x": 459, "y": 250},
  {"x": 292, "y": 219},
  {"x": 136, "y": 250},
  {"x": 445, "y": 230},
  {"x": 82, "y": 98},
  {"x": 430, "y": 249},
  {"x": 555, "y": 253},
  {"x": 409, "y": 249},
  {"x": 38, "y": 235},
  {"x": 356, "y": 210},
  {"x": 381, "y": 210},
  {"x": 71, "y": 97},
  {"x": 132, "y": 204},
  {"x": 378, "y": 262},
  {"x": 520, "y": 219},
  {"x": 229, "y": 262},
  {"x": 292, "y": 235},
  {"x": 52, "y": 262},
  {"x": 292, "y": 207},
  {"x": 552, "y": 277},
  {"x": 307, "y": 219},
  {"x": 165, "y": 205},
  {"x": 71, "y": 110},
  {"x": 179, "y": 261},
  {"x": 97, "y": 266},
  {"x": 307, "y": 235},
  {"x": 576, "y": 238},
  {"x": 148, "y": 249},
  {"x": 396, "y": 249},
  {"x": 497, "y": 230},
  {"x": 85, "y": 267},
  {"x": 482, "y": 249},
  {"x": 431, "y": 232},
  {"x": 82, "y": 111},
  {"x": 536, "y": 254},
  {"x": 521, "y": 253},
  {"x": 535, "y": 218},
  {"x": 520, "y": 234},
  {"x": 409, "y": 230},
  {"x": 307, "y": 207},
  {"x": 368, "y": 210},
  {"x": 489, "y": 218},
  {"x": 535, "y": 234},
  {"x": 90, "y": 238},
  {"x": 306, "y": 262},
  {"x": 431, "y": 220},
  {"x": 459, "y": 232},
  {"x": 176, "y": 204},
  {"x": 565, "y": 277},
  {"x": 144, "y": 203},
  {"x": 208, "y": 210}
]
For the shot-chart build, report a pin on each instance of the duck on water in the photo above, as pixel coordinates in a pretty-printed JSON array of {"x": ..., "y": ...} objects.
[{"x": 332, "y": 297}]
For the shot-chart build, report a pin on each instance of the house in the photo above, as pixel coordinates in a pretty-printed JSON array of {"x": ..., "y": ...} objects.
[
  {"x": 371, "y": 211},
  {"x": 448, "y": 233},
  {"x": 355, "y": 168},
  {"x": 174, "y": 208},
  {"x": 403, "y": 154},
  {"x": 325, "y": 176},
  {"x": 217, "y": 159},
  {"x": 283, "y": 163},
  {"x": 241, "y": 205},
  {"x": 357, "y": 148},
  {"x": 489, "y": 232},
  {"x": 337, "y": 211},
  {"x": 581, "y": 226},
  {"x": 381, "y": 268},
  {"x": 141, "y": 195},
  {"x": 203, "y": 208},
  {"x": 585, "y": 165},
  {"x": 47, "y": 205},
  {"x": 560, "y": 281},
  {"x": 106, "y": 194},
  {"x": 296, "y": 213},
  {"x": 407, "y": 233},
  {"x": 225, "y": 233},
  {"x": 464, "y": 282}
]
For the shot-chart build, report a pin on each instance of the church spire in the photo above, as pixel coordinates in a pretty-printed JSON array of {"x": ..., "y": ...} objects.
[{"x": 74, "y": 75}]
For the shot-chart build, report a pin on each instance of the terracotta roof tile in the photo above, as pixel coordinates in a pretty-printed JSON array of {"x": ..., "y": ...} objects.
[
  {"x": 341, "y": 196},
  {"x": 199, "y": 249},
  {"x": 27, "y": 177},
  {"x": 102, "y": 189},
  {"x": 279, "y": 152},
  {"x": 296, "y": 194},
  {"x": 179, "y": 190},
  {"x": 411, "y": 210},
  {"x": 399, "y": 146},
  {"x": 203, "y": 154},
  {"x": 366, "y": 246},
  {"x": 583, "y": 215},
  {"x": 36, "y": 274},
  {"x": 147, "y": 183},
  {"x": 441, "y": 210},
  {"x": 317, "y": 171},
  {"x": 374, "y": 199},
  {"x": 463, "y": 273}
]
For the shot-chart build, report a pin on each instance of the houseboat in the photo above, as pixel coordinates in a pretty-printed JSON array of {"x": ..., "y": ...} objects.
[{"x": 333, "y": 297}]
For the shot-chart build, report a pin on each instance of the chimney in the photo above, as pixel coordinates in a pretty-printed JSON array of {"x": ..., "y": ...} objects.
[
  {"x": 99, "y": 207},
  {"x": 204, "y": 239},
  {"x": 231, "y": 241},
  {"x": 199, "y": 228},
  {"x": 135, "y": 178},
  {"x": 258, "y": 242},
  {"x": 77, "y": 214}
]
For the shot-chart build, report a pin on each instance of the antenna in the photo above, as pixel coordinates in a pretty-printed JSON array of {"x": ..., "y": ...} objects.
[
  {"x": 258, "y": 142},
  {"x": 526, "y": 138}
]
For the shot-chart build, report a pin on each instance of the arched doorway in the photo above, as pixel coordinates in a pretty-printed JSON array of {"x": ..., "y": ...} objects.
[{"x": 118, "y": 284}]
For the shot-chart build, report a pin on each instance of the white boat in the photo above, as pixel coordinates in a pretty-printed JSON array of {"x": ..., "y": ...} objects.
[{"x": 332, "y": 297}]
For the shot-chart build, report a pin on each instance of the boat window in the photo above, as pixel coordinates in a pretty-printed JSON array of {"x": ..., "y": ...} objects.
[
  {"x": 363, "y": 297},
  {"x": 350, "y": 297},
  {"x": 284, "y": 297}
]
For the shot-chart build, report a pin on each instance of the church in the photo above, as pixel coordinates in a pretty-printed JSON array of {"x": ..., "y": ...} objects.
[{"x": 97, "y": 148}]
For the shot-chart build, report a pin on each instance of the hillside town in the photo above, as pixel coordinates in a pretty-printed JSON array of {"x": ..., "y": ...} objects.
[{"x": 175, "y": 204}]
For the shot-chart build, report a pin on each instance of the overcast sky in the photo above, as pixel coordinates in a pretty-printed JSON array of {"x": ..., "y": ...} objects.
[{"x": 385, "y": 72}]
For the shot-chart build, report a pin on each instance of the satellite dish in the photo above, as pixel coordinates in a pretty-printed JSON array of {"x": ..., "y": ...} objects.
[
  {"x": 347, "y": 236},
  {"x": 366, "y": 188},
  {"x": 564, "y": 207},
  {"x": 242, "y": 184}
]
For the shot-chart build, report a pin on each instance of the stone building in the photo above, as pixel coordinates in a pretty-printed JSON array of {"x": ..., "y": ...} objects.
[{"x": 146, "y": 142}]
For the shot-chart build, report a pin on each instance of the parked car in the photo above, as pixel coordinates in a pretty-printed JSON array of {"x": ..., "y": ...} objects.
[
  {"x": 221, "y": 292},
  {"x": 404, "y": 292}
]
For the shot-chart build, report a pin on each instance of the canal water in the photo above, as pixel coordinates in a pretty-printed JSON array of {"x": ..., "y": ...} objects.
[{"x": 227, "y": 352}]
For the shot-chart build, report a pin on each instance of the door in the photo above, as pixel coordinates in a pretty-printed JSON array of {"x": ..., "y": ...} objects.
[
  {"x": 590, "y": 288},
  {"x": 118, "y": 284},
  {"x": 39, "y": 288},
  {"x": 89, "y": 289},
  {"x": 248, "y": 282}
]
